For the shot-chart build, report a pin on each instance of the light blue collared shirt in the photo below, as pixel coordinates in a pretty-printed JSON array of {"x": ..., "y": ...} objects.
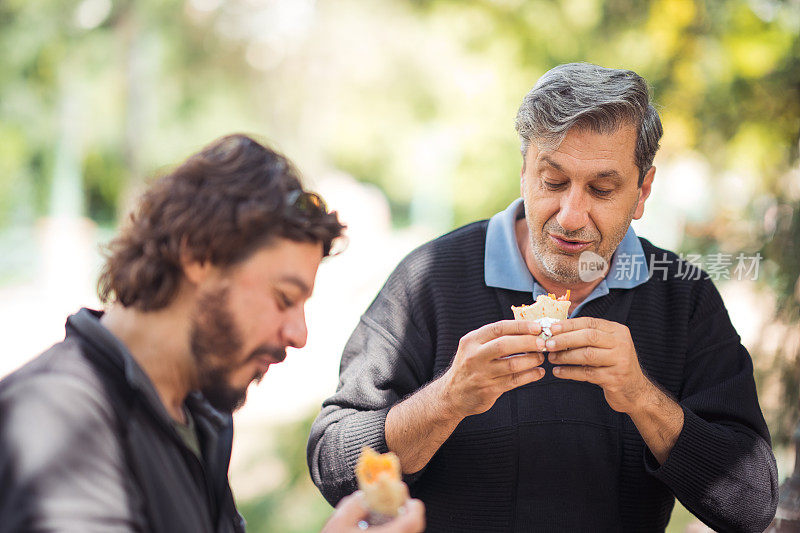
[{"x": 505, "y": 268}]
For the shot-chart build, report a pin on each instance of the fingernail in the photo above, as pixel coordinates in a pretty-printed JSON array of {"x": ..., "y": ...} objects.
[
  {"x": 540, "y": 344},
  {"x": 550, "y": 344},
  {"x": 557, "y": 370},
  {"x": 553, "y": 358},
  {"x": 541, "y": 372}
]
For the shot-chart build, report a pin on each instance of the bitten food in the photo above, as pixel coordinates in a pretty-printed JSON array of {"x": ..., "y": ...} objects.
[
  {"x": 547, "y": 310},
  {"x": 379, "y": 477}
]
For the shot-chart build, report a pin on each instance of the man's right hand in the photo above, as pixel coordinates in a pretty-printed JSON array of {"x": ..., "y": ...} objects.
[{"x": 485, "y": 365}]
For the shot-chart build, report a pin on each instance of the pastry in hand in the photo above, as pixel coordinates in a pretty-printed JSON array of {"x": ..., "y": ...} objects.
[
  {"x": 547, "y": 310},
  {"x": 379, "y": 478}
]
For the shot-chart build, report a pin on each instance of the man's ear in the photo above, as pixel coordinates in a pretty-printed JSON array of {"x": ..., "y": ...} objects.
[
  {"x": 195, "y": 271},
  {"x": 644, "y": 193}
]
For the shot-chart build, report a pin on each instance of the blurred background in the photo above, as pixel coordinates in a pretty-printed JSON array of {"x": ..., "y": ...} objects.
[{"x": 401, "y": 114}]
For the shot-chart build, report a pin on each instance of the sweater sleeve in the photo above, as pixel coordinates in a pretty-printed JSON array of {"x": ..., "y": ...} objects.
[
  {"x": 381, "y": 364},
  {"x": 722, "y": 467}
]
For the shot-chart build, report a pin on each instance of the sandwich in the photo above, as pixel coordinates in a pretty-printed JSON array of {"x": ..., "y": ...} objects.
[
  {"x": 379, "y": 478},
  {"x": 547, "y": 310}
]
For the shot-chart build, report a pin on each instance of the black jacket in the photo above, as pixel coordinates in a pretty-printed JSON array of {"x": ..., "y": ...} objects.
[
  {"x": 552, "y": 455},
  {"x": 87, "y": 446}
]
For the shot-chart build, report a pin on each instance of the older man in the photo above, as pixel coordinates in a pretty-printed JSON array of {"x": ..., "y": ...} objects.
[
  {"x": 645, "y": 394},
  {"x": 126, "y": 425}
]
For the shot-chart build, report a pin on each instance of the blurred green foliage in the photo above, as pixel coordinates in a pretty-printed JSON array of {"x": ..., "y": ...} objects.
[
  {"x": 362, "y": 87},
  {"x": 295, "y": 505}
]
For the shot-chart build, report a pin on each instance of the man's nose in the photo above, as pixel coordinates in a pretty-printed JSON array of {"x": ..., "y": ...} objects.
[
  {"x": 295, "y": 330},
  {"x": 573, "y": 213}
]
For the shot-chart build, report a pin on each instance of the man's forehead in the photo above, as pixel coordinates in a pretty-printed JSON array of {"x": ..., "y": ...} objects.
[
  {"x": 286, "y": 262},
  {"x": 610, "y": 152}
]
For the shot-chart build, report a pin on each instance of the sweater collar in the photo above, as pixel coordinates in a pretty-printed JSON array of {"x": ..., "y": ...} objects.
[{"x": 505, "y": 268}]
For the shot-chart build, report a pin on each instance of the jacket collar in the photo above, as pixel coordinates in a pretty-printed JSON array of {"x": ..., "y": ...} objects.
[{"x": 86, "y": 325}]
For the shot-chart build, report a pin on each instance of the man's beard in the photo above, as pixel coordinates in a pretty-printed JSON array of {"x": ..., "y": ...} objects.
[
  {"x": 564, "y": 268},
  {"x": 216, "y": 345}
]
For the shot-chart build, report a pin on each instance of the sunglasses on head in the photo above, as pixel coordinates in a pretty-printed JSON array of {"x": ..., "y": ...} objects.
[
  {"x": 307, "y": 202},
  {"x": 312, "y": 205}
]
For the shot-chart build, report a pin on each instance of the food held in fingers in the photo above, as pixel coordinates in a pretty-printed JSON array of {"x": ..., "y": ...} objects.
[
  {"x": 379, "y": 477},
  {"x": 547, "y": 310}
]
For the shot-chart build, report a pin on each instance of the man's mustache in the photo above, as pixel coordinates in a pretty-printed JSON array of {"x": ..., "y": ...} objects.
[
  {"x": 577, "y": 235},
  {"x": 275, "y": 353}
]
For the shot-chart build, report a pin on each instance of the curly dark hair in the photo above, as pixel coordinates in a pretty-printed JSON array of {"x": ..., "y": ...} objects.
[{"x": 221, "y": 205}]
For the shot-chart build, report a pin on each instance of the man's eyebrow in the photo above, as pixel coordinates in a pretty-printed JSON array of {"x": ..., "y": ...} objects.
[
  {"x": 294, "y": 280},
  {"x": 552, "y": 163},
  {"x": 612, "y": 174},
  {"x": 609, "y": 173}
]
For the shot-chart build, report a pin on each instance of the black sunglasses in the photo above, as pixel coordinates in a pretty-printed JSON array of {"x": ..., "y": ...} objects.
[
  {"x": 312, "y": 205},
  {"x": 307, "y": 202}
]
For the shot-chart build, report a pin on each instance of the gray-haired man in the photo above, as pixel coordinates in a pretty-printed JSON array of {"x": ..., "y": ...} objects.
[{"x": 645, "y": 393}]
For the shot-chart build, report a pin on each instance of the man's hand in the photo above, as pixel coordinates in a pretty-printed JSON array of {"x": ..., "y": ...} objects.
[
  {"x": 605, "y": 356},
  {"x": 352, "y": 510},
  {"x": 482, "y": 369}
]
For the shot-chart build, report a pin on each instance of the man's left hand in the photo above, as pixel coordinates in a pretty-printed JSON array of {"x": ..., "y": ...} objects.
[{"x": 604, "y": 354}]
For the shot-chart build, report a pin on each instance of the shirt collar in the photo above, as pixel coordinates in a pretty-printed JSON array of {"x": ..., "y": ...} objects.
[{"x": 505, "y": 268}]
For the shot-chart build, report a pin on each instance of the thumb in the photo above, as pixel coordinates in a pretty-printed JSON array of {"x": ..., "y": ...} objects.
[
  {"x": 349, "y": 511},
  {"x": 412, "y": 520}
]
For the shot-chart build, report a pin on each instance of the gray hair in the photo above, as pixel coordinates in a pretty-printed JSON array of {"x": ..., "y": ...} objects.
[{"x": 589, "y": 96}]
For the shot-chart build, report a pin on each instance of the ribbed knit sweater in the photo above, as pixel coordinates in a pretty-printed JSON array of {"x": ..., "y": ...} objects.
[{"x": 552, "y": 455}]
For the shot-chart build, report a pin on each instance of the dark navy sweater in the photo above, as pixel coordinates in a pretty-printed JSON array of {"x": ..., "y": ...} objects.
[{"x": 552, "y": 455}]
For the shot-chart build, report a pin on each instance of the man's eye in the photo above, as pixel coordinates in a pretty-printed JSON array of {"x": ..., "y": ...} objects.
[
  {"x": 601, "y": 192},
  {"x": 553, "y": 185},
  {"x": 284, "y": 301}
]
